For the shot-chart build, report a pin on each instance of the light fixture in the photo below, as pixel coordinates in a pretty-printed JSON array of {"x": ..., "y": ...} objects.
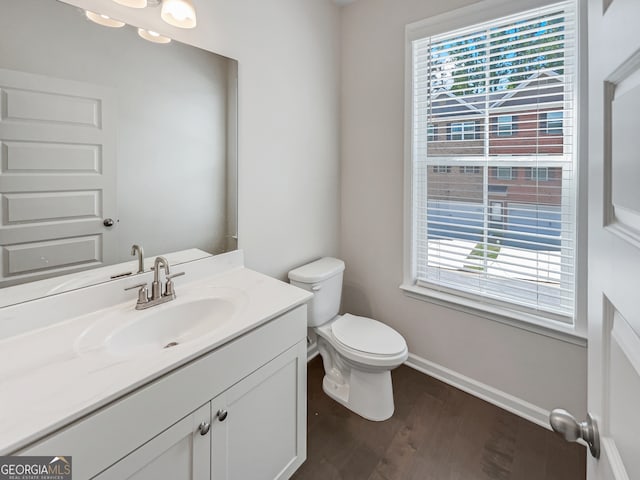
[
  {"x": 179, "y": 13},
  {"x": 152, "y": 36},
  {"x": 132, "y": 3},
  {"x": 103, "y": 20}
]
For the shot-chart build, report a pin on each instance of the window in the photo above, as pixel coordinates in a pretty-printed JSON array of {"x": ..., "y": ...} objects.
[
  {"x": 552, "y": 122},
  {"x": 505, "y": 126},
  {"x": 541, "y": 174},
  {"x": 432, "y": 133},
  {"x": 462, "y": 131},
  {"x": 504, "y": 173},
  {"x": 470, "y": 170},
  {"x": 441, "y": 169},
  {"x": 480, "y": 240}
]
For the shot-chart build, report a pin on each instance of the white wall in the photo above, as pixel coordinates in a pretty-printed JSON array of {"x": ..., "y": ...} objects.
[
  {"x": 171, "y": 107},
  {"x": 288, "y": 54},
  {"x": 537, "y": 369}
]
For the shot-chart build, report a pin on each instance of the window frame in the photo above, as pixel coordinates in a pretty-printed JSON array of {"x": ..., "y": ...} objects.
[
  {"x": 536, "y": 176},
  {"x": 499, "y": 176},
  {"x": 555, "y": 130},
  {"x": 464, "y": 130},
  {"x": 470, "y": 170},
  {"x": 432, "y": 132},
  {"x": 441, "y": 169},
  {"x": 543, "y": 324},
  {"x": 510, "y": 124}
]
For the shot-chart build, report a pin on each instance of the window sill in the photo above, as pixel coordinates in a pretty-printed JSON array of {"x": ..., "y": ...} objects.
[{"x": 529, "y": 322}]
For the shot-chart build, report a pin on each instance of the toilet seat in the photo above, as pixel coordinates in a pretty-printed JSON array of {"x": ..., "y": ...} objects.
[
  {"x": 373, "y": 331},
  {"x": 367, "y": 335}
]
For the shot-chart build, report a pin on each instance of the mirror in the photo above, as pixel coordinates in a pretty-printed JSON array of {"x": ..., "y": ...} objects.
[{"x": 108, "y": 140}]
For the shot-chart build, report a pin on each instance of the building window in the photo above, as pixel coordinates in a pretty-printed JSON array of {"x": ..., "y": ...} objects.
[
  {"x": 495, "y": 212},
  {"x": 432, "y": 133},
  {"x": 551, "y": 123},
  {"x": 496, "y": 240},
  {"x": 462, "y": 131},
  {"x": 505, "y": 126},
  {"x": 540, "y": 174},
  {"x": 470, "y": 170},
  {"x": 504, "y": 173}
]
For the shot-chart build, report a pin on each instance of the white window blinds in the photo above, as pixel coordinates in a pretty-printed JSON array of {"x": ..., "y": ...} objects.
[{"x": 493, "y": 161}]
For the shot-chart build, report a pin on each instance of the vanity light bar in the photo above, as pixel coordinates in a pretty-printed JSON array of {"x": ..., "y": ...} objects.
[{"x": 179, "y": 13}]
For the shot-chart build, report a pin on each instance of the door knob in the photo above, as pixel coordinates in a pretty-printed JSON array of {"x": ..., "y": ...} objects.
[
  {"x": 108, "y": 222},
  {"x": 222, "y": 415},
  {"x": 565, "y": 425}
]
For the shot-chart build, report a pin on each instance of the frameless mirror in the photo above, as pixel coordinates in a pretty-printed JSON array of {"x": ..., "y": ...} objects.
[{"x": 108, "y": 140}]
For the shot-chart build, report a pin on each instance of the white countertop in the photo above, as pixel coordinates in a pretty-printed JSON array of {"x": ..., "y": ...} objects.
[{"x": 53, "y": 375}]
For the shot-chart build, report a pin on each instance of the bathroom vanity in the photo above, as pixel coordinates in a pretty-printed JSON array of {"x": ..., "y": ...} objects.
[{"x": 210, "y": 385}]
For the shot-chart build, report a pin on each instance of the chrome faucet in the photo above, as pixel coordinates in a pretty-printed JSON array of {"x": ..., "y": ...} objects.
[
  {"x": 157, "y": 295},
  {"x": 137, "y": 249}
]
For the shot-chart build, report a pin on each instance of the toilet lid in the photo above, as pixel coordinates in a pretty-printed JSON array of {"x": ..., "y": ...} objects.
[{"x": 367, "y": 335}]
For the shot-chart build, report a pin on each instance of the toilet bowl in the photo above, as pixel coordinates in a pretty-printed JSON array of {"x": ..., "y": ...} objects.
[{"x": 358, "y": 353}]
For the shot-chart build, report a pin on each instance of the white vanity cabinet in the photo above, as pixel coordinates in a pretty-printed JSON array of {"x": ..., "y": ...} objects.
[{"x": 237, "y": 413}]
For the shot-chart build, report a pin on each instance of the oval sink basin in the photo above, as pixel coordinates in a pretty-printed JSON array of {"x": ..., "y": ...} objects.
[{"x": 170, "y": 326}]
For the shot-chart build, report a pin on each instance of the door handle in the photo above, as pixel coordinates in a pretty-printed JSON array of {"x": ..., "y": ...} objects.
[
  {"x": 565, "y": 425},
  {"x": 108, "y": 222}
]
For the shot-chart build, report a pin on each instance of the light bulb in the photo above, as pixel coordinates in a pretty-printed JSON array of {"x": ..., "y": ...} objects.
[
  {"x": 103, "y": 20},
  {"x": 179, "y": 13},
  {"x": 132, "y": 3},
  {"x": 152, "y": 36}
]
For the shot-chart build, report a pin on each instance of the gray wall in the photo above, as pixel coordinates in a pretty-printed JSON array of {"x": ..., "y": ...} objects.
[
  {"x": 172, "y": 119},
  {"x": 492, "y": 357}
]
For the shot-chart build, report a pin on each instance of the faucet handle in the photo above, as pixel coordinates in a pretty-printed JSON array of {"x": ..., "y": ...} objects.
[
  {"x": 168, "y": 289},
  {"x": 142, "y": 293},
  {"x": 174, "y": 275}
]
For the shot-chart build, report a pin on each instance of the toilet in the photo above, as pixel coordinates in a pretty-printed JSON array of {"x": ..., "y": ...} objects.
[{"x": 358, "y": 353}]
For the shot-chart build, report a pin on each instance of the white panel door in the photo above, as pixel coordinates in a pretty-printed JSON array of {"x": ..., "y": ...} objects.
[
  {"x": 614, "y": 236},
  {"x": 57, "y": 176}
]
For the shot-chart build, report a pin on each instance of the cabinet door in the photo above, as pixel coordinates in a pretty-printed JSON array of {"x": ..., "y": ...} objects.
[
  {"x": 181, "y": 452},
  {"x": 263, "y": 434}
]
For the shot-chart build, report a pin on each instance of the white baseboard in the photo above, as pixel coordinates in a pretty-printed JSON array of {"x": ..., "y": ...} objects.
[
  {"x": 508, "y": 402},
  {"x": 312, "y": 351}
]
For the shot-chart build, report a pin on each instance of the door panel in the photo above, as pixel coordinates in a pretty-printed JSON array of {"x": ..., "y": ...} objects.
[
  {"x": 178, "y": 453},
  {"x": 614, "y": 235},
  {"x": 57, "y": 176},
  {"x": 262, "y": 435}
]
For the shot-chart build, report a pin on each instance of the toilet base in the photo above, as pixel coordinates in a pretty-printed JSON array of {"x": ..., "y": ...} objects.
[{"x": 370, "y": 395}]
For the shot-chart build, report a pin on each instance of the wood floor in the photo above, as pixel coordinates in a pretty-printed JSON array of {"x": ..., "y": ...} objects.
[{"x": 436, "y": 433}]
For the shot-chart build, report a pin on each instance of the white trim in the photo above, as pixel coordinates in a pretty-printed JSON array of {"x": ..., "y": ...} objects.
[
  {"x": 480, "y": 12},
  {"x": 501, "y": 399},
  {"x": 524, "y": 321}
]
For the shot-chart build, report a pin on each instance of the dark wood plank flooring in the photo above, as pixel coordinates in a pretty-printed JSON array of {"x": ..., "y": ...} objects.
[{"x": 437, "y": 433}]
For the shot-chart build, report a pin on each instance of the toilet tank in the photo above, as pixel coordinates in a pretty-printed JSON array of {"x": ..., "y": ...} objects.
[{"x": 324, "y": 279}]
